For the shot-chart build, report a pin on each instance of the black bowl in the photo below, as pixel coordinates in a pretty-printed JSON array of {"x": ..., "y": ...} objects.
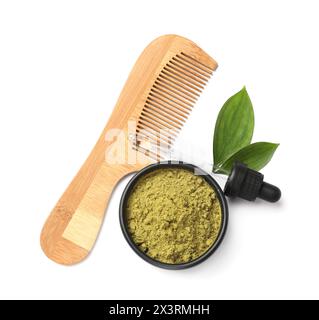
[{"x": 192, "y": 168}]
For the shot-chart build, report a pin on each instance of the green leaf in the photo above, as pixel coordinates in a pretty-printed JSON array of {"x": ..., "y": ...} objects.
[
  {"x": 255, "y": 156},
  {"x": 234, "y": 127}
]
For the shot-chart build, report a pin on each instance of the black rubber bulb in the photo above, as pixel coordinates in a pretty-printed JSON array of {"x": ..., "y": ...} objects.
[
  {"x": 269, "y": 192},
  {"x": 249, "y": 184}
]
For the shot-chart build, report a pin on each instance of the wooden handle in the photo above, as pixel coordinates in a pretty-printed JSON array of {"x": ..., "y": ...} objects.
[{"x": 73, "y": 225}]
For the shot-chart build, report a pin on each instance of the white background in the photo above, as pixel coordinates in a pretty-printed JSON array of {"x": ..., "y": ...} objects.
[{"x": 62, "y": 67}]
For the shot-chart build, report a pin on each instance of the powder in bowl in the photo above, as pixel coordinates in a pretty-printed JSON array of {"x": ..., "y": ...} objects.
[{"x": 173, "y": 216}]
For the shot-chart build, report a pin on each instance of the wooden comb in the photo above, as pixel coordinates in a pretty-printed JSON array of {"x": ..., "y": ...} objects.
[{"x": 158, "y": 96}]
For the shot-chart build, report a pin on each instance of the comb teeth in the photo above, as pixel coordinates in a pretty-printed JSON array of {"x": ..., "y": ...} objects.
[{"x": 169, "y": 102}]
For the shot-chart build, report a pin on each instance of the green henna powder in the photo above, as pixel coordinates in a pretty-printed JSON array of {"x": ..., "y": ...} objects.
[{"x": 173, "y": 215}]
